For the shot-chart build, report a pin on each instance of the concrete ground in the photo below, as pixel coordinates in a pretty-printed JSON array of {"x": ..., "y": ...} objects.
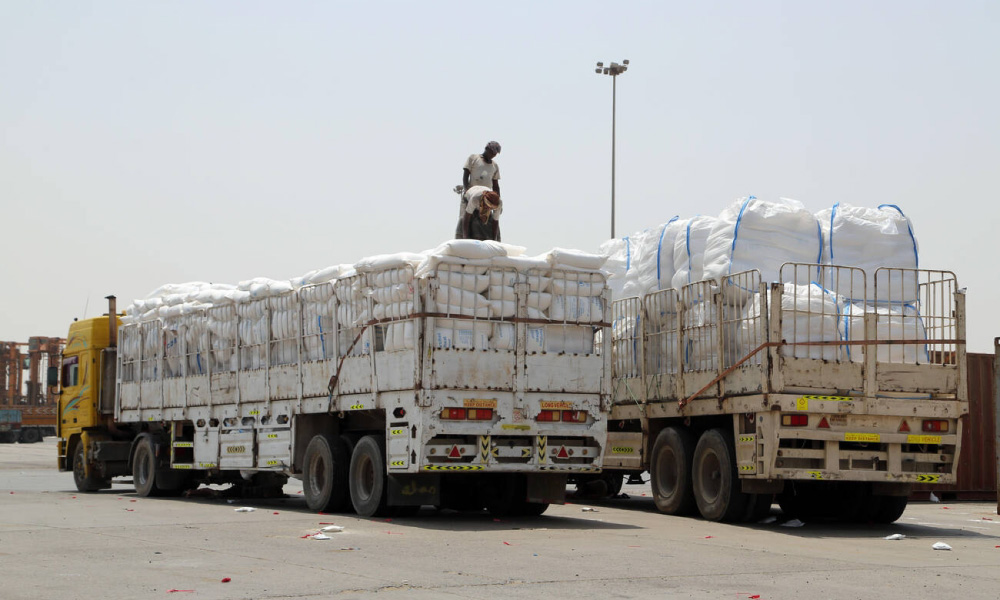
[{"x": 58, "y": 543}]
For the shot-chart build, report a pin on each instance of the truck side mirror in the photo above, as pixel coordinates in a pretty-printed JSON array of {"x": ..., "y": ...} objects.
[{"x": 52, "y": 376}]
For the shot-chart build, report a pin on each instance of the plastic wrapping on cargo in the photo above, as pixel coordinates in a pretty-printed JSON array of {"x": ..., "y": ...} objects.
[
  {"x": 539, "y": 300},
  {"x": 586, "y": 285},
  {"x": 870, "y": 238},
  {"x": 762, "y": 235},
  {"x": 652, "y": 262},
  {"x": 689, "y": 251},
  {"x": 895, "y": 322},
  {"x": 701, "y": 352},
  {"x": 452, "y": 296},
  {"x": 811, "y": 314},
  {"x": 399, "y": 292}
]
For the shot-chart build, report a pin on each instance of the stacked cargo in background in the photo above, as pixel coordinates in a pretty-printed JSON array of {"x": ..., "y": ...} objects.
[{"x": 779, "y": 240}]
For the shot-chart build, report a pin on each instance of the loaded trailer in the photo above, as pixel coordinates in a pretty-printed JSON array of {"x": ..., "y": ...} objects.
[
  {"x": 470, "y": 384},
  {"x": 737, "y": 393}
]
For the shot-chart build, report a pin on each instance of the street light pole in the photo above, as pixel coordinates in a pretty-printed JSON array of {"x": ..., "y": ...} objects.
[{"x": 614, "y": 71}]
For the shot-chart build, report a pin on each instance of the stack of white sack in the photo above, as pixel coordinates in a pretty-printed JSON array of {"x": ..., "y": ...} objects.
[
  {"x": 892, "y": 322},
  {"x": 811, "y": 314},
  {"x": 174, "y": 299},
  {"x": 317, "y": 322},
  {"x": 576, "y": 298},
  {"x": 222, "y": 325},
  {"x": 352, "y": 317},
  {"x": 869, "y": 238},
  {"x": 761, "y": 235},
  {"x": 253, "y": 333},
  {"x": 503, "y": 279},
  {"x": 284, "y": 329},
  {"x": 689, "y": 251},
  {"x": 652, "y": 265},
  {"x": 618, "y": 254}
]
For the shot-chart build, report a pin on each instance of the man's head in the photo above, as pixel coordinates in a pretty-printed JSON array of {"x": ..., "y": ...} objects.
[
  {"x": 487, "y": 204},
  {"x": 492, "y": 149}
]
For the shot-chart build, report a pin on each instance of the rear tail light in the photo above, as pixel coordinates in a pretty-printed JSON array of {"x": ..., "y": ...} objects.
[
  {"x": 574, "y": 416},
  {"x": 548, "y": 415},
  {"x": 794, "y": 420},
  {"x": 480, "y": 414},
  {"x": 935, "y": 425},
  {"x": 453, "y": 414}
]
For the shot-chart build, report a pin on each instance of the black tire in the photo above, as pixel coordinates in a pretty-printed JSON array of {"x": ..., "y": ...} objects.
[
  {"x": 149, "y": 478},
  {"x": 86, "y": 483},
  {"x": 715, "y": 481},
  {"x": 890, "y": 508},
  {"x": 368, "y": 478},
  {"x": 531, "y": 509},
  {"x": 30, "y": 435},
  {"x": 606, "y": 485},
  {"x": 324, "y": 476},
  {"x": 670, "y": 471},
  {"x": 144, "y": 469}
]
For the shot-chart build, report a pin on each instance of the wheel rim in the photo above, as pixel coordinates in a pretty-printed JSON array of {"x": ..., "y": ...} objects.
[
  {"x": 317, "y": 475},
  {"x": 666, "y": 473},
  {"x": 78, "y": 465},
  {"x": 710, "y": 470},
  {"x": 144, "y": 467},
  {"x": 366, "y": 478}
]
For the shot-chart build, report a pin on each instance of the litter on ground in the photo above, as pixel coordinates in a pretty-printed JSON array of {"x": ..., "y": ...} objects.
[
  {"x": 793, "y": 523},
  {"x": 941, "y": 546},
  {"x": 895, "y": 536}
]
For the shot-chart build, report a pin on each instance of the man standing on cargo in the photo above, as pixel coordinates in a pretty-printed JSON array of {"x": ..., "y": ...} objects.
[
  {"x": 479, "y": 170},
  {"x": 482, "y": 213}
]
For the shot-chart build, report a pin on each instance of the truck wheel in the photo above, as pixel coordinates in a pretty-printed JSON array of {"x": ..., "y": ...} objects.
[
  {"x": 86, "y": 483},
  {"x": 758, "y": 507},
  {"x": 30, "y": 436},
  {"x": 670, "y": 471},
  {"x": 368, "y": 478},
  {"x": 149, "y": 479},
  {"x": 324, "y": 478},
  {"x": 716, "y": 484},
  {"x": 889, "y": 509}
]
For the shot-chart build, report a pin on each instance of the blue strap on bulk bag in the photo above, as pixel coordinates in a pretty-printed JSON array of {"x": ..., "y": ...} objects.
[
  {"x": 916, "y": 255},
  {"x": 628, "y": 253},
  {"x": 659, "y": 249},
  {"x": 736, "y": 232}
]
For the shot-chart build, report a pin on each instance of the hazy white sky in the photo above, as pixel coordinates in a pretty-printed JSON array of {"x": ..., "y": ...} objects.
[{"x": 144, "y": 143}]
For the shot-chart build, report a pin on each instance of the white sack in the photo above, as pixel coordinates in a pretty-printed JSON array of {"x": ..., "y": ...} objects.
[
  {"x": 755, "y": 234},
  {"x": 689, "y": 251},
  {"x": 892, "y": 323},
  {"x": 869, "y": 238}
]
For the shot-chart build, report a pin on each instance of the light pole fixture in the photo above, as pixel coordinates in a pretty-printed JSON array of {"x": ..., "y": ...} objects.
[{"x": 614, "y": 70}]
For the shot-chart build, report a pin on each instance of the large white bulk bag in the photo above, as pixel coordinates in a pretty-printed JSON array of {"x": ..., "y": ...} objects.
[
  {"x": 893, "y": 322},
  {"x": 689, "y": 251},
  {"x": 756, "y": 234},
  {"x": 569, "y": 339},
  {"x": 869, "y": 238},
  {"x": 810, "y": 313}
]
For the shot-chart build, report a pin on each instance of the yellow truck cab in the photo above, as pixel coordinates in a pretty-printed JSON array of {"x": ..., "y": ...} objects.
[{"x": 86, "y": 403}]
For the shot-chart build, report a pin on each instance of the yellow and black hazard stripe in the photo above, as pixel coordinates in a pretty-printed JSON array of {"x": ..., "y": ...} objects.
[
  {"x": 397, "y": 432},
  {"x": 747, "y": 438},
  {"x": 928, "y": 478},
  {"x": 452, "y": 468},
  {"x": 831, "y": 398},
  {"x": 748, "y": 468},
  {"x": 525, "y": 452},
  {"x": 622, "y": 450},
  {"x": 397, "y": 463},
  {"x": 484, "y": 448},
  {"x": 543, "y": 442},
  {"x": 236, "y": 449},
  {"x": 358, "y": 406}
]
